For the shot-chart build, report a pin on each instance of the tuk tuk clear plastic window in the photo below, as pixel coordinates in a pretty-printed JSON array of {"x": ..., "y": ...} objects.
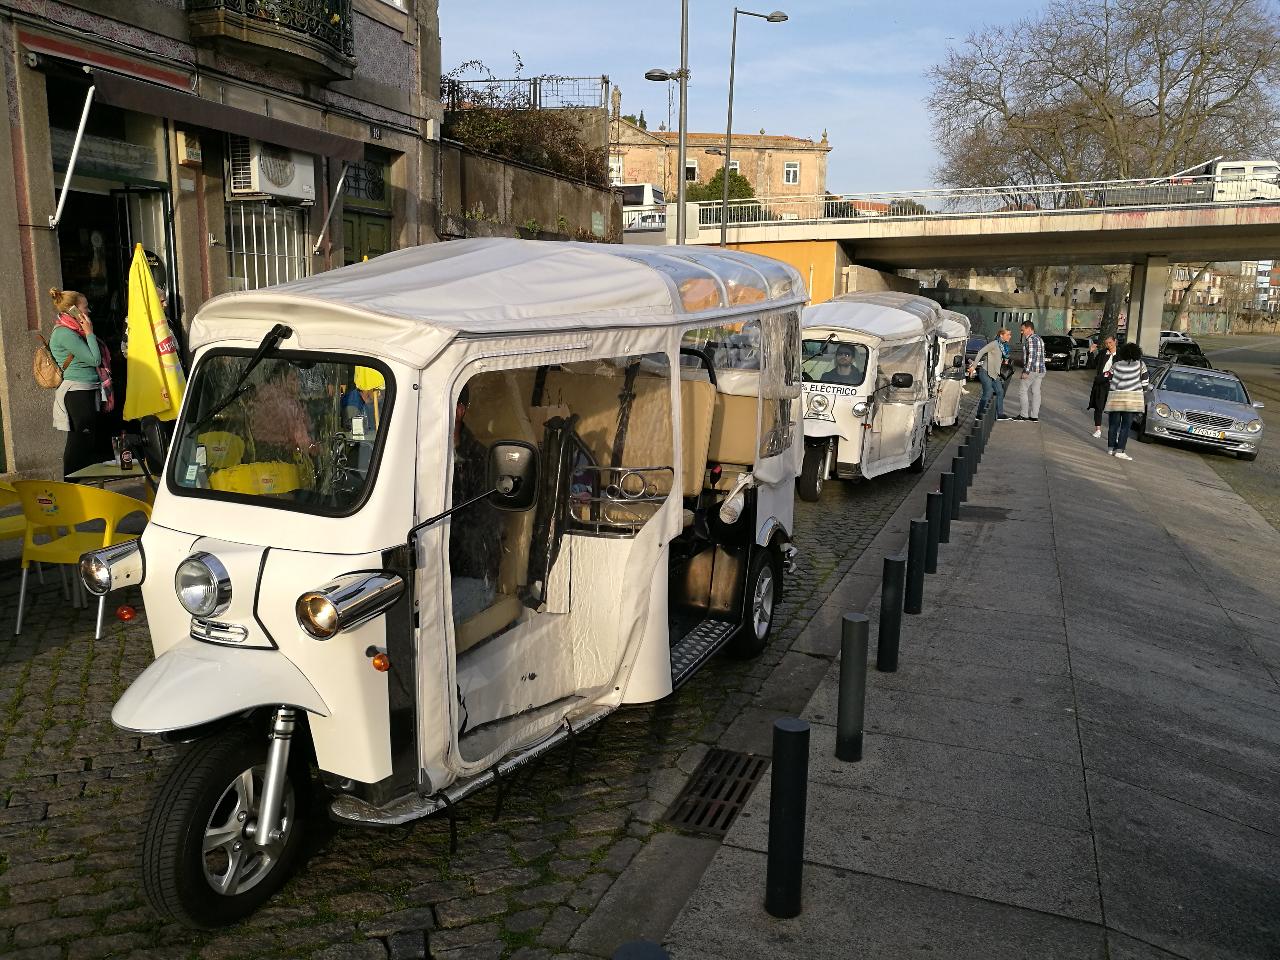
[
  {"x": 906, "y": 357},
  {"x": 300, "y": 431},
  {"x": 604, "y": 433},
  {"x": 731, "y": 346},
  {"x": 779, "y": 381}
]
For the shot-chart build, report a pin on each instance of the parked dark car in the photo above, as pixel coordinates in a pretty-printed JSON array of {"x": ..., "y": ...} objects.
[
  {"x": 1175, "y": 350},
  {"x": 971, "y": 349},
  {"x": 1059, "y": 352}
]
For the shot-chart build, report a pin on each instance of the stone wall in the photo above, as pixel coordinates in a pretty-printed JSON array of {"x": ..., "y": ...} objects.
[{"x": 487, "y": 196}]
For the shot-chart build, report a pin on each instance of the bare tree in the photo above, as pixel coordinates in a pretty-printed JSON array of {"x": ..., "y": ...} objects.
[
  {"x": 1196, "y": 274},
  {"x": 1109, "y": 89}
]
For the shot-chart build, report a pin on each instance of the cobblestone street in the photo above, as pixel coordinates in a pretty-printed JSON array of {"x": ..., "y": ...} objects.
[{"x": 76, "y": 791}]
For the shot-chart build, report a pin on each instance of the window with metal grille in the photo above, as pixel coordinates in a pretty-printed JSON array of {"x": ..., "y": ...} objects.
[{"x": 266, "y": 243}]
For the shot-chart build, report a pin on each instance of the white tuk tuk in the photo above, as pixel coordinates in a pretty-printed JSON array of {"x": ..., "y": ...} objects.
[
  {"x": 952, "y": 335},
  {"x": 425, "y": 517},
  {"x": 867, "y": 371}
]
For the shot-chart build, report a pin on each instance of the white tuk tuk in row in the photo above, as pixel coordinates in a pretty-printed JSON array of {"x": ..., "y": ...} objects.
[
  {"x": 868, "y": 367},
  {"x": 952, "y": 335},
  {"x": 427, "y": 516}
]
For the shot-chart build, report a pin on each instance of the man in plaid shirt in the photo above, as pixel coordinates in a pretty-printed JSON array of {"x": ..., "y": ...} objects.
[{"x": 1032, "y": 373}]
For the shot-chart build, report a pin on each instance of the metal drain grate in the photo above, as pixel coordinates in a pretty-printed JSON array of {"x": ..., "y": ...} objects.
[{"x": 717, "y": 792}]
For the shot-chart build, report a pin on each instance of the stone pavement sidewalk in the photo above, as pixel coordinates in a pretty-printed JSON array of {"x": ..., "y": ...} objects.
[{"x": 1079, "y": 756}]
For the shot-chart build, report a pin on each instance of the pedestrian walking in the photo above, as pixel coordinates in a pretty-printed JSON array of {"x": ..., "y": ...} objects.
[
  {"x": 1032, "y": 373},
  {"x": 989, "y": 363},
  {"x": 1101, "y": 382},
  {"x": 86, "y": 390},
  {"x": 1125, "y": 397}
]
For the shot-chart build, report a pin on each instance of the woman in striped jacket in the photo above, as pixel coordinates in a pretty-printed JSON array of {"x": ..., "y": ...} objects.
[{"x": 1125, "y": 397}]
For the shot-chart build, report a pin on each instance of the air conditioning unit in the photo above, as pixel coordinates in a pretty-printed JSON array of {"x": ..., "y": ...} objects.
[{"x": 263, "y": 169}]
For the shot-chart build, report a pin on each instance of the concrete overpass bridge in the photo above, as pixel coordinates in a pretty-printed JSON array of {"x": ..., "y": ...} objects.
[{"x": 1143, "y": 222}]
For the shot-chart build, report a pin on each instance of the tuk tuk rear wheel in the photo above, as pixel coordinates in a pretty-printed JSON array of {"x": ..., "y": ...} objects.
[
  {"x": 809, "y": 483},
  {"x": 200, "y": 866},
  {"x": 761, "y": 591}
]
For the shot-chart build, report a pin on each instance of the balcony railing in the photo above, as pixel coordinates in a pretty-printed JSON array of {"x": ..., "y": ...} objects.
[
  {"x": 313, "y": 38},
  {"x": 532, "y": 93}
]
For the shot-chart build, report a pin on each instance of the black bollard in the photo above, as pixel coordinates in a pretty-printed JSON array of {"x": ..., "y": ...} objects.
[
  {"x": 963, "y": 474},
  {"x": 913, "y": 599},
  {"x": 895, "y": 576},
  {"x": 947, "y": 488},
  {"x": 933, "y": 513},
  {"x": 788, "y": 795},
  {"x": 853, "y": 686},
  {"x": 957, "y": 474}
]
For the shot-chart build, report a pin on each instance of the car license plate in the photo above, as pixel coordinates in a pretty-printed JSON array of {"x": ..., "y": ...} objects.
[{"x": 1205, "y": 432}]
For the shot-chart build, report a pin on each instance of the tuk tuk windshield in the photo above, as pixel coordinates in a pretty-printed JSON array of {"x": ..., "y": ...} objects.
[
  {"x": 301, "y": 432},
  {"x": 831, "y": 361}
]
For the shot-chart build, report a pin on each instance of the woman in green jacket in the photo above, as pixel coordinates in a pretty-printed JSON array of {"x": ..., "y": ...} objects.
[{"x": 77, "y": 406}]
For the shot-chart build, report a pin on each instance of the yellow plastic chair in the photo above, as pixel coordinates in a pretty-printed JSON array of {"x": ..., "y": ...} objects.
[
  {"x": 259, "y": 478},
  {"x": 15, "y": 526},
  {"x": 50, "y": 506},
  {"x": 222, "y": 449}
]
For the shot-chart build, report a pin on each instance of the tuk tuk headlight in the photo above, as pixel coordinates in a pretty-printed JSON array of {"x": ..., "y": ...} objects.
[
  {"x": 347, "y": 602},
  {"x": 113, "y": 567},
  {"x": 203, "y": 585},
  {"x": 860, "y": 408}
]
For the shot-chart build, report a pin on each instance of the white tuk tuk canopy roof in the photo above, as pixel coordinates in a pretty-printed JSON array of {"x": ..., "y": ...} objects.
[
  {"x": 411, "y": 303},
  {"x": 953, "y": 326},
  {"x": 884, "y": 317}
]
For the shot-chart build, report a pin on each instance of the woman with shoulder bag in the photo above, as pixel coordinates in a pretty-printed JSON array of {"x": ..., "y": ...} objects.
[
  {"x": 1125, "y": 397},
  {"x": 85, "y": 393},
  {"x": 1101, "y": 382}
]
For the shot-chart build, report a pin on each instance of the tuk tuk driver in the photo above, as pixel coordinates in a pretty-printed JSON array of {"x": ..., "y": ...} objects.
[
  {"x": 843, "y": 371},
  {"x": 475, "y": 532}
]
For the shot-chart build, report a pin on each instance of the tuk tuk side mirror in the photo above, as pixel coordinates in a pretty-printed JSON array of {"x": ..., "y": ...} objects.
[
  {"x": 513, "y": 475},
  {"x": 900, "y": 381}
]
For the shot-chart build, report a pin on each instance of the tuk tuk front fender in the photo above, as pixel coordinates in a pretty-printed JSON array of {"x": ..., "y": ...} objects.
[
  {"x": 195, "y": 683},
  {"x": 822, "y": 430}
]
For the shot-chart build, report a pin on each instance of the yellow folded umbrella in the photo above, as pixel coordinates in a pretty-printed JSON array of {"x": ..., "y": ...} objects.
[{"x": 155, "y": 379}]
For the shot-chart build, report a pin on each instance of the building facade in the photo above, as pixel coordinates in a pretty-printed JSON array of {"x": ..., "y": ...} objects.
[
  {"x": 776, "y": 166},
  {"x": 241, "y": 143}
]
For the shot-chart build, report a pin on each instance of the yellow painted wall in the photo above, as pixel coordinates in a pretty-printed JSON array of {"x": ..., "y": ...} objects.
[{"x": 815, "y": 259}]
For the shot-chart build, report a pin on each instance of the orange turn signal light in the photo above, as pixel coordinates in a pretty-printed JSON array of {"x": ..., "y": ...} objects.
[
  {"x": 381, "y": 662},
  {"x": 125, "y": 613}
]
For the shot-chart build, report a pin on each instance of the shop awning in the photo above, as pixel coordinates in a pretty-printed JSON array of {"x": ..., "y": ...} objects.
[{"x": 143, "y": 97}]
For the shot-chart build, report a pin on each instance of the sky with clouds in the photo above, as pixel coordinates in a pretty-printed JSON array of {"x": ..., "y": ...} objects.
[{"x": 857, "y": 68}]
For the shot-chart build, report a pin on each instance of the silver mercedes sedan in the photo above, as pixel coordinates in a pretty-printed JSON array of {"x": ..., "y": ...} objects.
[{"x": 1206, "y": 407}]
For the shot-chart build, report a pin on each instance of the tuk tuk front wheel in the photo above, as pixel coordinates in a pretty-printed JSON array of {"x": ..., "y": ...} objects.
[
  {"x": 809, "y": 484},
  {"x": 200, "y": 864},
  {"x": 762, "y": 591},
  {"x": 917, "y": 465}
]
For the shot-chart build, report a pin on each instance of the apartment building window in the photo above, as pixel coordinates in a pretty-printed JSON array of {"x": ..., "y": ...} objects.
[
  {"x": 615, "y": 170},
  {"x": 691, "y": 170},
  {"x": 266, "y": 243},
  {"x": 791, "y": 172}
]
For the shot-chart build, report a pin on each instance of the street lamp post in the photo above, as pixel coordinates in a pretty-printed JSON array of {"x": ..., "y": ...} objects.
[
  {"x": 776, "y": 17},
  {"x": 683, "y": 76}
]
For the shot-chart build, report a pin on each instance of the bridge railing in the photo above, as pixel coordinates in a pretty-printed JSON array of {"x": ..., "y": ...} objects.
[{"x": 1018, "y": 200}]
